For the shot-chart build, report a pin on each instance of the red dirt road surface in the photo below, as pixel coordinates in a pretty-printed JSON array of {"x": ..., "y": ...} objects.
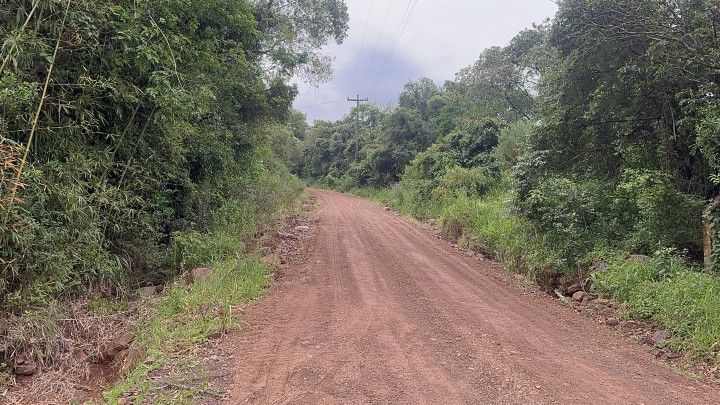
[{"x": 377, "y": 310}]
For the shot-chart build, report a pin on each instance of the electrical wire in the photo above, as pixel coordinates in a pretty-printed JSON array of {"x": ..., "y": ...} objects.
[
  {"x": 377, "y": 44},
  {"x": 407, "y": 17},
  {"x": 319, "y": 104},
  {"x": 362, "y": 44}
]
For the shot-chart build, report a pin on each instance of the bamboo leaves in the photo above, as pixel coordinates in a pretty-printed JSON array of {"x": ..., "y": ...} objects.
[{"x": 124, "y": 123}]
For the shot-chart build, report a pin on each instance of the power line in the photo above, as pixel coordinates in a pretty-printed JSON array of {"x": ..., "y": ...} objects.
[
  {"x": 401, "y": 32},
  {"x": 362, "y": 44},
  {"x": 403, "y": 20},
  {"x": 377, "y": 44},
  {"x": 319, "y": 104}
]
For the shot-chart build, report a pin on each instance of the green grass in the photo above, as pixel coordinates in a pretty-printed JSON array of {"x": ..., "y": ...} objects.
[
  {"x": 488, "y": 224},
  {"x": 187, "y": 316},
  {"x": 674, "y": 295}
]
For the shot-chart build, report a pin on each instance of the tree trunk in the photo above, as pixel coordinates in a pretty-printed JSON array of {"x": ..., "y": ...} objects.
[{"x": 710, "y": 236}]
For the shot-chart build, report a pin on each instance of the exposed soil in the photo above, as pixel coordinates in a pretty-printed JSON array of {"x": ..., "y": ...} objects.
[{"x": 377, "y": 310}]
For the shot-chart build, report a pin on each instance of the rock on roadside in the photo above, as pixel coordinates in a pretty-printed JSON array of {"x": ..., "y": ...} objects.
[
  {"x": 581, "y": 296},
  {"x": 198, "y": 274},
  {"x": 573, "y": 288},
  {"x": 110, "y": 349},
  {"x": 25, "y": 366},
  {"x": 659, "y": 337},
  {"x": 149, "y": 291}
]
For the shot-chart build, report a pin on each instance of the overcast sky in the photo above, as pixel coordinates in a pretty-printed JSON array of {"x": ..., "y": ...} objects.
[{"x": 439, "y": 38}]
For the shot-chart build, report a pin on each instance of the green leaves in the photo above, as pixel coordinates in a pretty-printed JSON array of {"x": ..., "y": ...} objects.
[{"x": 155, "y": 118}]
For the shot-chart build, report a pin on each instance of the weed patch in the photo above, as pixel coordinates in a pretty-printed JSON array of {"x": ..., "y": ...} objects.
[
  {"x": 188, "y": 315},
  {"x": 671, "y": 293}
]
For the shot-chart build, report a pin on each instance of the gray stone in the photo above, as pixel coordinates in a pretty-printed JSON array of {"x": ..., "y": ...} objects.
[
  {"x": 200, "y": 274},
  {"x": 659, "y": 337},
  {"x": 639, "y": 258},
  {"x": 149, "y": 291},
  {"x": 25, "y": 366}
]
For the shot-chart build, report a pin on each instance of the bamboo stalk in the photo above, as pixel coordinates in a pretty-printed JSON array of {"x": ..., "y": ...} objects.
[
  {"x": 22, "y": 29},
  {"x": 128, "y": 163},
  {"x": 23, "y": 161},
  {"x": 709, "y": 241}
]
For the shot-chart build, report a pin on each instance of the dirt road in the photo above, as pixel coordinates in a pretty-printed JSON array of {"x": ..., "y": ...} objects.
[{"x": 377, "y": 310}]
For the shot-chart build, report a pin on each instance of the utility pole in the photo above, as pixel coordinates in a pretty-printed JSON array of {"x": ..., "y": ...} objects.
[{"x": 357, "y": 100}]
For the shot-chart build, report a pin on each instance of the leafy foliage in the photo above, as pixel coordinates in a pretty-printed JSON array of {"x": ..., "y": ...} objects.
[{"x": 155, "y": 129}]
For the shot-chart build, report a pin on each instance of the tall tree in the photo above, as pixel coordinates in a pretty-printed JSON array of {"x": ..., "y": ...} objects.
[{"x": 295, "y": 30}]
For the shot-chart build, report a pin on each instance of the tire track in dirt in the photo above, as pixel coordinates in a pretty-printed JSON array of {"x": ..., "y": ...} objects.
[{"x": 379, "y": 311}]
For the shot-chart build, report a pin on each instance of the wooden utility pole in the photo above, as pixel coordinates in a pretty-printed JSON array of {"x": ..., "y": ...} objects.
[{"x": 357, "y": 100}]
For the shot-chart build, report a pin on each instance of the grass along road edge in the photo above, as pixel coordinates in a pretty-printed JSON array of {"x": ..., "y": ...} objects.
[{"x": 189, "y": 315}]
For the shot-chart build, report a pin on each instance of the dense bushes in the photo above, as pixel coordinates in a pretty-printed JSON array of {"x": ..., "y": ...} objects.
[
  {"x": 237, "y": 221},
  {"x": 655, "y": 215},
  {"x": 154, "y": 130},
  {"x": 642, "y": 213},
  {"x": 460, "y": 163}
]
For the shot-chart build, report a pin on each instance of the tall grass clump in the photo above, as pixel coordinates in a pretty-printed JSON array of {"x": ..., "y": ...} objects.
[
  {"x": 671, "y": 293},
  {"x": 490, "y": 225}
]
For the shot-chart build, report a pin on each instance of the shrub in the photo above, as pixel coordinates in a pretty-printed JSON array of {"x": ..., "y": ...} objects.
[
  {"x": 512, "y": 143},
  {"x": 459, "y": 181},
  {"x": 652, "y": 214},
  {"x": 571, "y": 214}
]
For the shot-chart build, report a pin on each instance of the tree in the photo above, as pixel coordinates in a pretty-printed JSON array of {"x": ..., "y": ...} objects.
[
  {"x": 417, "y": 96},
  {"x": 627, "y": 89},
  {"x": 502, "y": 82},
  {"x": 295, "y": 30}
]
